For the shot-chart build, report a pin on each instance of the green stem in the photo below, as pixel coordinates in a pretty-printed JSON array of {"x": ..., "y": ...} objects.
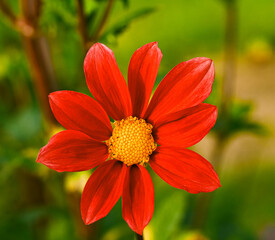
[
  {"x": 103, "y": 21},
  {"x": 230, "y": 61},
  {"x": 38, "y": 55},
  {"x": 230, "y": 45},
  {"x": 82, "y": 24},
  {"x": 5, "y": 9}
]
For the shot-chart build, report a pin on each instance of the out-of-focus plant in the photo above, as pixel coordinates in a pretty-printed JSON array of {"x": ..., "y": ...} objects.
[
  {"x": 235, "y": 116},
  {"x": 42, "y": 27},
  {"x": 238, "y": 120}
]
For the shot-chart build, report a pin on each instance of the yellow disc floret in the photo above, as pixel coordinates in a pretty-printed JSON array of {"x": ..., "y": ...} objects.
[{"x": 132, "y": 141}]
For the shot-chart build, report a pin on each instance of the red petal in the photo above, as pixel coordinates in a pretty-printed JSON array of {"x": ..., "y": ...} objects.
[
  {"x": 106, "y": 82},
  {"x": 137, "y": 198},
  {"x": 80, "y": 112},
  {"x": 184, "y": 169},
  {"x": 102, "y": 191},
  {"x": 142, "y": 73},
  {"x": 72, "y": 151},
  {"x": 187, "y": 127},
  {"x": 186, "y": 85}
]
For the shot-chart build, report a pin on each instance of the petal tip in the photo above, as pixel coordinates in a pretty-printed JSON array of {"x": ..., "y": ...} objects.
[
  {"x": 138, "y": 231},
  {"x": 207, "y": 62},
  {"x": 38, "y": 159},
  {"x": 156, "y": 48},
  {"x": 100, "y": 47},
  {"x": 154, "y": 45},
  {"x": 211, "y": 65},
  {"x": 87, "y": 220},
  {"x": 55, "y": 94},
  {"x": 85, "y": 217},
  {"x": 51, "y": 95},
  {"x": 214, "y": 187},
  {"x": 96, "y": 45},
  {"x": 214, "y": 109},
  {"x": 217, "y": 183},
  {"x": 96, "y": 48},
  {"x": 205, "y": 59}
]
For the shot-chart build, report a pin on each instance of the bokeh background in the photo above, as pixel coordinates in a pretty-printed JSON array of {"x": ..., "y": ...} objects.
[{"x": 42, "y": 47}]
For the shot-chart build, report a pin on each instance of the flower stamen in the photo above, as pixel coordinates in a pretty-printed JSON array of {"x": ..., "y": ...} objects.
[{"x": 131, "y": 141}]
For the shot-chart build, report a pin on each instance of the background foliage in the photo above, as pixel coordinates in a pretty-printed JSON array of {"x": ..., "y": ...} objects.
[{"x": 37, "y": 203}]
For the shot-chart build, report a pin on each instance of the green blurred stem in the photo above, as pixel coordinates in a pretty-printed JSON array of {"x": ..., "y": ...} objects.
[
  {"x": 38, "y": 55},
  {"x": 139, "y": 237},
  {"x": 230, "y": 60},
  {"x": 103, "y": 21},
  {"x": 230, "y": 45},
  {"x": 4, "y": 8},
  {"x": 82, "y": 24},
  {"x": 37, "y": 51}
]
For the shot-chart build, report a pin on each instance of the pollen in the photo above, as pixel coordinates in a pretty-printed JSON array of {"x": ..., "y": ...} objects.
[{"x": 132, "y": 141}]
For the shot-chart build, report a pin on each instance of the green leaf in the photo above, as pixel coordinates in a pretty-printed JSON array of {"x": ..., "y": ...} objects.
[
  {"x": 121, "y": 25},
  {"x": 89, "y": 6},
  {"x": 238, "y": 119},
  {"x": 167, "y": 216},
  {"x": 56, "y": 12}
]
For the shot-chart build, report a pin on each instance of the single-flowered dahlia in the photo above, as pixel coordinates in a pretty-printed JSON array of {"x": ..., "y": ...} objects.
[{"x": 154, "y": 132}]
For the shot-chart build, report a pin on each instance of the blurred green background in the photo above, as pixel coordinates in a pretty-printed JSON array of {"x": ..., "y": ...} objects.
[{"x": 42, "y": 48}]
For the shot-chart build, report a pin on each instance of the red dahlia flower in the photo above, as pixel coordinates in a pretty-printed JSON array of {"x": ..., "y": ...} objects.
[{"x": 155, "y": 132}]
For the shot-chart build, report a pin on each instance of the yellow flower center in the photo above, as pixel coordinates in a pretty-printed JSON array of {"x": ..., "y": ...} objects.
[{"x": 131, "y": 141}]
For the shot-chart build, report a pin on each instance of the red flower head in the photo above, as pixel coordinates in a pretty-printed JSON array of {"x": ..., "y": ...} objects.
[{"x": 155, "y": 132}]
